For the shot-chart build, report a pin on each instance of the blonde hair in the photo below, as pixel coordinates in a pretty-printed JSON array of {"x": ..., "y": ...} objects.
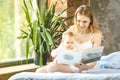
[
  {"x": 88, "y": 12},
  {"x": 67, "y": 33}
]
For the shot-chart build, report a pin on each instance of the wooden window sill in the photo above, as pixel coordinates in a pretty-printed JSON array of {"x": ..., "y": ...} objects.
[{"x": 6, "y": 72}]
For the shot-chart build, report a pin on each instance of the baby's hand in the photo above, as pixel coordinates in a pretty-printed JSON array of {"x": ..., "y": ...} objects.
[
  {"x": 56, "y": 55},
  {"x": 55, "y": 61},
  {"x": 80, "y": 67}
]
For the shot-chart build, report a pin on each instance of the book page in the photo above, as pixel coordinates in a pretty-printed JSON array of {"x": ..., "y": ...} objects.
[
  {"x": 92, "y": 54},
  {"x": 69, "y": 57},
  {"x": 84, "y": 56}
]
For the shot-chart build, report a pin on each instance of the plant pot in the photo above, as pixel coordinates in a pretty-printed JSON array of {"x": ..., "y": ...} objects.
[
  {"x": 37, "y": 58},
  {"x": 44, "y": 58}
]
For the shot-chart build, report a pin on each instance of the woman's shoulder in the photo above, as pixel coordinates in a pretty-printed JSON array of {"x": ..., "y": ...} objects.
[
  {"x": 97, "y": 34},
  {"x": 97, "y": 38}
]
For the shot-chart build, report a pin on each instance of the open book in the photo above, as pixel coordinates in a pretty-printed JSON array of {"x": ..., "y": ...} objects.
[{"x": 84, "y": 56}]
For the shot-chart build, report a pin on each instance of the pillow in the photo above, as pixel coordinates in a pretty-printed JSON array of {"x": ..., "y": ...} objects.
[{"x": 111, "y": 61}]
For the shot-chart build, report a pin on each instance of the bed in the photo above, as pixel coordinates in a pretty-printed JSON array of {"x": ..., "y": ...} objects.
[
  {"x": 96, "y": 74},
  {"x": 108, "y": 68}
]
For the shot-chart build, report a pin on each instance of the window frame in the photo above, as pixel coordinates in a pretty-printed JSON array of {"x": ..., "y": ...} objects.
[{"x": 16, "y": 62}]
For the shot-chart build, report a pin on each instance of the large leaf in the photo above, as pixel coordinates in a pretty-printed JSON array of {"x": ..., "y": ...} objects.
[
  {"x": 45, "y": 30},
  {"x": 27, "y": 13},
  {"x": 27, "y": 49}
]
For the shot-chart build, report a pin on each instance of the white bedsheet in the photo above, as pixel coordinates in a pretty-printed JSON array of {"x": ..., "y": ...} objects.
[
  {"x": 94, "y": 74},
  {"x": 108, "y": 68}
]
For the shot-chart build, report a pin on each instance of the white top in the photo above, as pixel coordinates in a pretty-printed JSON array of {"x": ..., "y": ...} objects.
[{"x": 85, "y": 45}]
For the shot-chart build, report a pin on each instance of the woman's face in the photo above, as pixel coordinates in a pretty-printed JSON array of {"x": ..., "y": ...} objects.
[{"x": 83, "y": 22}]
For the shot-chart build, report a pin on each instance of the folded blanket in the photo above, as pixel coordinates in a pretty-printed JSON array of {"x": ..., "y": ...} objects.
[{"x": 111, "y": 61}]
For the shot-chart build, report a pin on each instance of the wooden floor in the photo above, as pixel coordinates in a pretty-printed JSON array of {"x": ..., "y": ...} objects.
[{"x": 6, "y": 72}]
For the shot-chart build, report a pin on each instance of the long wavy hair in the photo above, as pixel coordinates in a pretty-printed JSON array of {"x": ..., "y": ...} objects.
[{"x": 88, "y": 12}]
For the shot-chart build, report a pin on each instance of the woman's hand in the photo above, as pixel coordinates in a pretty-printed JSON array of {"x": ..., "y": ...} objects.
[{"x": 81, "y": 67}]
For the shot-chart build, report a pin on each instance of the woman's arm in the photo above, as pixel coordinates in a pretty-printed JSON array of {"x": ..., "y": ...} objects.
[
  {"x": 97, "y": 39},
  {"x": 96, "y": 42},
  {"x": 88, "y": 66}
]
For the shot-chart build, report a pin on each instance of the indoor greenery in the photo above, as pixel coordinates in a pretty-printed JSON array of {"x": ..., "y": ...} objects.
[{"x": 44, "y": 30}]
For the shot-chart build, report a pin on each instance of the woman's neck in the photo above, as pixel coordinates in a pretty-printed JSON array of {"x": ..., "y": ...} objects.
[{"x": 84, "y": 32}]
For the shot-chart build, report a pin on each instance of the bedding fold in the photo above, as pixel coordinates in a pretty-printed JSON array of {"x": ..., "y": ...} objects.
[{"x": 111, "y": 61}]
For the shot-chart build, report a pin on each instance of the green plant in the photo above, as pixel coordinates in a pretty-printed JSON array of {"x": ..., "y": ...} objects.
[{"x": 44, "y": 31}]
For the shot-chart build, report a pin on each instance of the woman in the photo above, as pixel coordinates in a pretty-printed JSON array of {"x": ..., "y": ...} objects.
[{"x": 87, "y": 35}]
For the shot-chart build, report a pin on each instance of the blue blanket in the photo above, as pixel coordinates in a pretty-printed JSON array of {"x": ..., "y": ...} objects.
[{"x": 111, "y": 61}]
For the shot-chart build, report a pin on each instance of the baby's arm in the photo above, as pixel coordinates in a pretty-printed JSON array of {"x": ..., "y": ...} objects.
[{"x": 54, "y": 53}]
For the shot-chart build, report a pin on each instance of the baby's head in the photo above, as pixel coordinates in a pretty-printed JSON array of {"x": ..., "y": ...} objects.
[{"x": 68, "y": 40}]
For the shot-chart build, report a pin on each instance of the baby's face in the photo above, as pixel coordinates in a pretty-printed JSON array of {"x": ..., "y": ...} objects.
[{"x": 68, "y": 43}]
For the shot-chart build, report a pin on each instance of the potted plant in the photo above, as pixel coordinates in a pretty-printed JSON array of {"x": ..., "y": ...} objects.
[{"x": 44, "y": 31}]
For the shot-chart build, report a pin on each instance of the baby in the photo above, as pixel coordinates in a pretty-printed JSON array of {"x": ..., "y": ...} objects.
[
  {"x": 67, "y": 43},
  {"x": 67, "y": 53}
]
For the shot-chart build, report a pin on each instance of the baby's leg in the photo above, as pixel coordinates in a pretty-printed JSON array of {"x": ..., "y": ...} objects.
[
  {"x": 42, "y": 69},
  {"x": 54, "y": 67}
]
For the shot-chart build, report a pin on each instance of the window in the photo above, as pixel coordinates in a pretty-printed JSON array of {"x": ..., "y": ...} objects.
[
  {"x": 12, "y": 50},
  {"x": 6, "y": 30},
  {"x": 12, "y": 17}
]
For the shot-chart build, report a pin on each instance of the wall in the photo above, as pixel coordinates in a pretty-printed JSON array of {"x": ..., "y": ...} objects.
[
  {"x": 72, "y": 5},
  {"x": 108, "y": 16}
]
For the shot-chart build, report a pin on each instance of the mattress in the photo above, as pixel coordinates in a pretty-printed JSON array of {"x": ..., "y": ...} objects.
[{"x": 93, "y": 74}]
